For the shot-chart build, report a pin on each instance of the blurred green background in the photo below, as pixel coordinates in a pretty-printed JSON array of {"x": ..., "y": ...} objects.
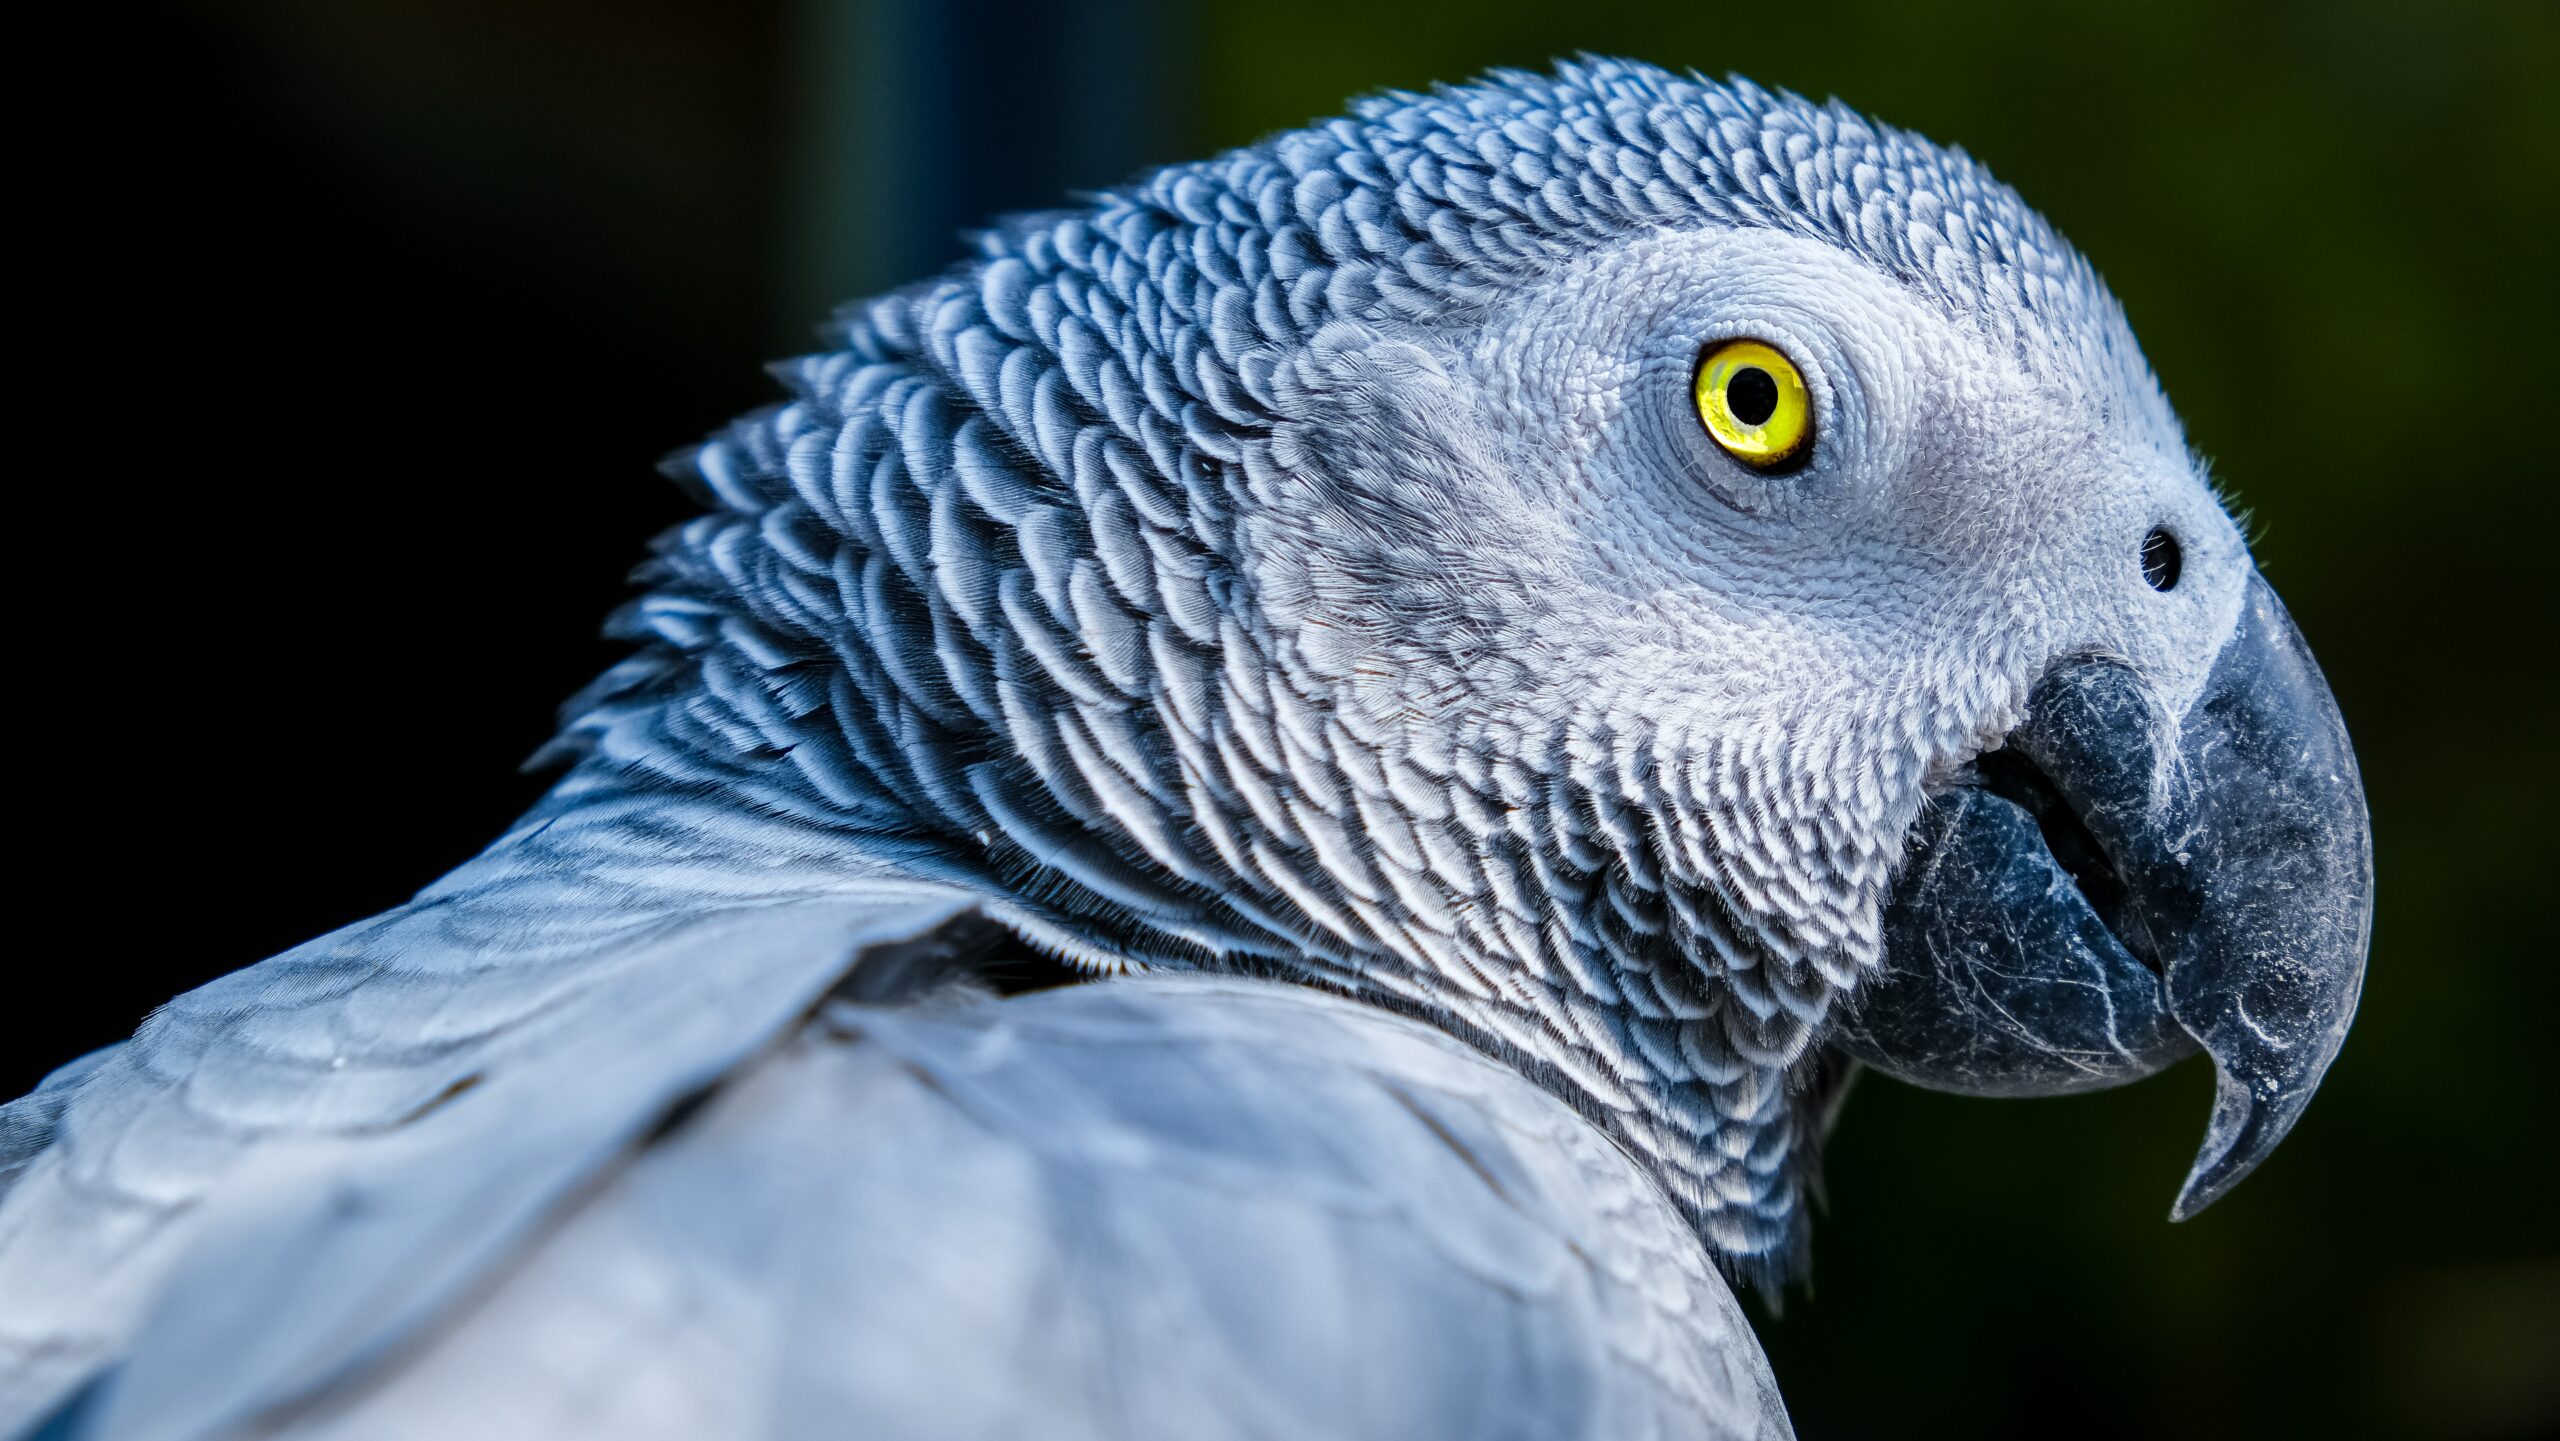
[{"x": 424, "y": 286}]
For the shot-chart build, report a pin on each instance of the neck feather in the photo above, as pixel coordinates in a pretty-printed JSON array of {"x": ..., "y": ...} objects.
[{"x": 970, "y": 605}]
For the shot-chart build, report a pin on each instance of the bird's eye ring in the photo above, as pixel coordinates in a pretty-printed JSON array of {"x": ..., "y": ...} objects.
[{"x": 1752, "y": 401}]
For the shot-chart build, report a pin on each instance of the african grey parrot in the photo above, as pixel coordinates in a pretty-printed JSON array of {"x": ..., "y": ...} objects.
[{"x": 1520, "y": 635}]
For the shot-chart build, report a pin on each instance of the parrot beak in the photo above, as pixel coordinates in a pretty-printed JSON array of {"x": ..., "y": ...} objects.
[{"x": 2121, "y": 887}]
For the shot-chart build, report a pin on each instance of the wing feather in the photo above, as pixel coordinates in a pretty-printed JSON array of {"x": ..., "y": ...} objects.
[
  {"x": 1168, "y": 1207},
  {"x": 335, "y": 1140}
]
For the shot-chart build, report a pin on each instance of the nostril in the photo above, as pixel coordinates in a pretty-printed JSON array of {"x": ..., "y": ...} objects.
[{"x": 2160, "y": 558}]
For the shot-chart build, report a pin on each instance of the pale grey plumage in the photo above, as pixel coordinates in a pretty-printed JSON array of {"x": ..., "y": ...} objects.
[
  {"x": 1283, "y": 565},
  {"x": 571, "y": 1003},
  {"x": 1089, "y": 1185}
]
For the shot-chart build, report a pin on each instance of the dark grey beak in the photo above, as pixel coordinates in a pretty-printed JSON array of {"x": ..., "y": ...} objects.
[{"x": 2120, "y": 887}]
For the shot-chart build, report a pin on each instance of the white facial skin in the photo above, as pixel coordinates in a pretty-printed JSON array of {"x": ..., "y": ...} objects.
[
  {"x": 1551, "y": 540},
  {"x": 1959, "y": 519}
]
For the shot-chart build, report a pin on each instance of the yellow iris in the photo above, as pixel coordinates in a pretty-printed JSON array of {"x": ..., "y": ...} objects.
[{"x": 1752, "y": 400}]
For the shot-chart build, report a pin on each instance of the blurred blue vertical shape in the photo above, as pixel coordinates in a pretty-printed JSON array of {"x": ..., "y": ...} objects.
[{"x": 911, "y": 121}]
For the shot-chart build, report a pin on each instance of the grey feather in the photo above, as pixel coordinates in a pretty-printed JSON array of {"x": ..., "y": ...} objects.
[
  {"x": 299, "y": 1124},
  {"x": 342, "y": 1246},
  {"x": 1165, "y": 1208}
]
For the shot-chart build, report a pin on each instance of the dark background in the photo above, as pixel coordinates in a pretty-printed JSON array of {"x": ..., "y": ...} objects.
[{"x": 375, "y": 316}]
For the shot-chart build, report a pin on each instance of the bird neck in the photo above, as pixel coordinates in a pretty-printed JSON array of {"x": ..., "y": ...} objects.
[
  {"x": 974, "y": 605},
  {"x": 1176, "y": 797}
]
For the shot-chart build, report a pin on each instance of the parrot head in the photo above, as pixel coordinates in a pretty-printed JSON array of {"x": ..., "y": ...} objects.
[{"x": 1682, "y": 587}]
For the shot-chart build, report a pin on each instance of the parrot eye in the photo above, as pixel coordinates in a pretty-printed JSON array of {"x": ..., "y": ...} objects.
[{"x": 1752, "y": 401}]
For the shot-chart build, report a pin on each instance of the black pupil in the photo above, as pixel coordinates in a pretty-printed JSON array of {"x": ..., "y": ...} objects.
[
  {"x": 1752, "y": 395},
  {"x": 2160, "y": 559}
]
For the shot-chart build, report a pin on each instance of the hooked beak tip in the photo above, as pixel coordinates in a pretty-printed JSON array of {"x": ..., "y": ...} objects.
[
  {"x": 2240, "y": 1134},
  {"x": 2279, "y": 917}
]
